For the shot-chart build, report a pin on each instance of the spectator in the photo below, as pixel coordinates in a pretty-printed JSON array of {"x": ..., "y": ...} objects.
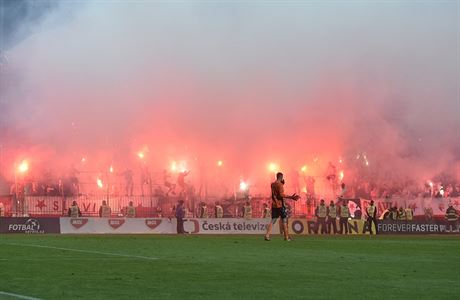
[
  {"x": 219, "y": 211},
  {"x": 181, "y": 182},
  {"x": 167, "y": 183},
  {"x": 332, "y": 218},
  {"x": 105, "y": 211},
  {"x": 344, "y": 215},
  {"x": 203, "y": 210},
  {"x": 247, "y": 211},
  {"x": 401, "y": 214},
  {"x": 394, "y": 213},
  {"x": 130, "y": 210},
  {"x": 266, "y": 214},
  {"x": 74, "y": 210},
  {"x": 129, "y": 182},
  {"x": 358, "y": 213},
  {"x": 451, "y": 218},
  {"x": 146, "y": 179},
  {"x": 409, "y": 214},
  {"x": 428, "y": 214},
  {"x": 371, "y": 213},
  {"x": 180, "y": 214},
  {"x": 321, "y": 214}
]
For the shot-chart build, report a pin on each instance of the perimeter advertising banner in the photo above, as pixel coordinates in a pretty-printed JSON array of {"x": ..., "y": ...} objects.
[
  {"x": 163, "y": 226},
  {"x": 297, "y": 226},
  {"x": 29, "y": 225},
  {"x": 415, "y": 227},
  {"x": 304, "y": 227},
  {"x": 307, "y": 227},
  {"x": 118, "y": 225},
  {"x": 231, "y": 226}
]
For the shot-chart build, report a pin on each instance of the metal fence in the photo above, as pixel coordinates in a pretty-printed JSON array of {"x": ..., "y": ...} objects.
[{"x": 146, "y": 206}]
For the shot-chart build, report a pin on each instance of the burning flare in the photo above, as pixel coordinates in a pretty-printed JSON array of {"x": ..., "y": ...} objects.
[
  {"x": 23, "y": 166},
  {"x": 272, "y": 167},
  {"x": 341, "y": 175},
  {"x": 99, "y": 183}
]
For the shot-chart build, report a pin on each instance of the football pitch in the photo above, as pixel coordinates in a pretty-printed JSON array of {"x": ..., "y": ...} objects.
[{"x": 228, "y": 267}]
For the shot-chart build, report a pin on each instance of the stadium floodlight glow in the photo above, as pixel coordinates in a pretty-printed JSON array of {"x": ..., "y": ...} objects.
[
  {"x": 111, "y": 169},
  {"x": 341, "y": 175},
  {"x": 99, "y": 182},
  {"x": 220, "y": 163},
  {"x": 304, "y": 168},
  {"x": 244, "y": 186},
  {"x": 83, "y": 159},
  {"x": 140, "y": 154},
  {"x": 23, "y": 166}
]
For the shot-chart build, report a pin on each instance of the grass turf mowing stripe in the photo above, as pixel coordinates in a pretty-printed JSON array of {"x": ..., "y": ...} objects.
[
  {"x": 67, "y": 259},
  {"x": 232, "y": 267},
  {"x": 82, "y": 251},
  {"x": 18, "y": 296}
]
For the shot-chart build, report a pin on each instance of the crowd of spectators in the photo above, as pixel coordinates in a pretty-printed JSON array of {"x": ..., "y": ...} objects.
[
  {"x": 405, "y": 189},
  {"x": 167, "y": 184}
]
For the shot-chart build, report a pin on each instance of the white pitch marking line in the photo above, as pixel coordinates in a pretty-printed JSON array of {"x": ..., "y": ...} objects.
[
  {"x": 18, "y": 296},
  {"x": 82, "y": 251},
  {"x": 64, "y": 259}
]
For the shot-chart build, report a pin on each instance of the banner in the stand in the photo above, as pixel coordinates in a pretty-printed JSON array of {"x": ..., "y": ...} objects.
[
  {"x": 89, "y": 205},
  {"x": 44, "y": 205}
]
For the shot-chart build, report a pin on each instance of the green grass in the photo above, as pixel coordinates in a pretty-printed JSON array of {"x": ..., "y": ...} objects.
[{"x": 231, "y": 267}]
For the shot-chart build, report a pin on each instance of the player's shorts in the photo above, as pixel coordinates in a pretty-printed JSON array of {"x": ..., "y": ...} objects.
[{"x": 279, "y": 213}]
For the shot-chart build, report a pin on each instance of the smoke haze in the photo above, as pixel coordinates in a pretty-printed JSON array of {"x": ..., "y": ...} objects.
[{"x": 247, "y": 83}]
